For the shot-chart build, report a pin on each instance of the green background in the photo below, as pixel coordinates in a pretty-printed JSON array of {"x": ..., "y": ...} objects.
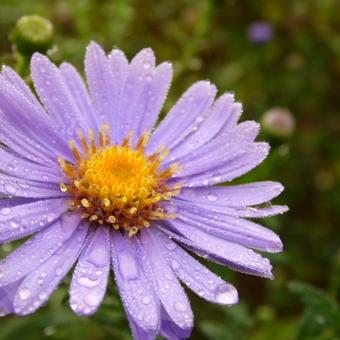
[{"x": 299, "y": 69}]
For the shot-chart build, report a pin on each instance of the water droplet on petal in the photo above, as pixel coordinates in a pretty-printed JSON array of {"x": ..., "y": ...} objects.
[
  {"x": 87, "y": 282},
  {"x": 212, "y": 198},
  {"x": 146, "y": 300},
  {"x": 6, "y": 211},
  {"x": 10, "y": 188},
  {"x": 226, "y": 295},
  {"x": 128, "y": 266},
  {"x": 180, "y": 306},
  {"x": 24, "y": 293},
  {"x": 174, "y": 264},
  {"x": 171, "y": 245},
  {"x": 92, "y": 299},
  {"x": 42, "y": 295}
]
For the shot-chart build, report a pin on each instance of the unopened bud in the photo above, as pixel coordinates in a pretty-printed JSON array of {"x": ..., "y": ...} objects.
[
  {"x": 278, "y": 122},
  {"x": 32, "y": 34}
]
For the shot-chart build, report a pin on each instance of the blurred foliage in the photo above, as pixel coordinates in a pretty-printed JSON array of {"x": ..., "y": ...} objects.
[{"x": 298, "y": 69}]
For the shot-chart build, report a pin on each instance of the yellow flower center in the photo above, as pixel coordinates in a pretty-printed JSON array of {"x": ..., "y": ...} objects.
[{"x": 118, "y": 184}]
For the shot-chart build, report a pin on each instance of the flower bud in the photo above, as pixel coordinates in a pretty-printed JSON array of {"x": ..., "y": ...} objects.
[
  {"x": 278, "y": 122},
  {"x": 260, "y": 32},
  {"x": 32, "y": 34}
]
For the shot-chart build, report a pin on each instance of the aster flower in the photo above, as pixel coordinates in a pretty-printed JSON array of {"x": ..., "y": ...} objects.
[
  {"x": 97, "y": 183},
  {"x": 260, "y": 32}
]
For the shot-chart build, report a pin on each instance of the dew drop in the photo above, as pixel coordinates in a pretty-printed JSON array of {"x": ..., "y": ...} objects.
[
  {"x": 225, "y": 295},
  {"x": 58, "y": 271},
  {"x": 87, "y": 282},
  {"x": 171, "y": 246},
  {"x": 42, "y": 295},
  {"x": 24, "y": 293},
  {"x": 10, "y": 188},
  {"x": 14, "y": 224},
  {"x": 146, "y": 65},
  {"x": 174, "y": 264},
  {"x": 180, "y": 306},
  {"x": 146, "y": 300},
  {"x": 128, "y": 266},
  {"x": 92, "y": 299},
  {"x": 212, "y": 198},
  {"x": 6, "y": 211}
]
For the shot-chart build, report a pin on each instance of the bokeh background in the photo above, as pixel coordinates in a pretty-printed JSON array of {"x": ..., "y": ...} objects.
[{"x": 276, "y": 56}]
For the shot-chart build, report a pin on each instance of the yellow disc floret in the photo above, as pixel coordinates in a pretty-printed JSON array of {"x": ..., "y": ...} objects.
[{"x": 117, "y": 184}]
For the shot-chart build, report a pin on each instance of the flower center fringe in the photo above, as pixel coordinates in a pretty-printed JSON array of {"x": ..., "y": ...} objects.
[{"x": 118, "y": 184}]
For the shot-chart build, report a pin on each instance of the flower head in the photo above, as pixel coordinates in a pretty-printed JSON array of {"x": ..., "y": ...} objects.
[
  {"x": 260, "y": 32},
  {"x": 97, "y": 183}
]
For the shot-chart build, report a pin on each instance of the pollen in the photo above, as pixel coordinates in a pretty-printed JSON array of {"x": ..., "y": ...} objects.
[{"x": 118, "y": 185}]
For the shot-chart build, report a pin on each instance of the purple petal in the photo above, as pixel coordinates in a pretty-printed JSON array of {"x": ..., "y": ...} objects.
[
  {"x": 246, "y": 233},
  {"x": 19, "y": 221},
  {"x": 13, "y": 186},
  {"x": 135, "y": 96},
  {"x": 234, "y": 195},
  {"x": 56, "y": 97},
  {"x": 141, "y": 334},
  {"x": 197, "y": 277},
  {"x": 90, "y": 278},
  {"x": 217, "y": 210},
  {"x": 185, "y": 117},
  {"x": 19, "y": 167},
  {"x": 170, "y": 292},
  {"x": 7, "y": 294},
  {"x": 38, "y": 249},
  {"x": 78, "y": 90},
  {"x": 27, "y": 129},
  {"x": 39, "y": 284},
  {"x": 223, "y": 149},
  {"x": 254, "y": 155},
  {"x": 104, "y": 90},
  {"x": 231, "y": 254},
  {"x": 18, "y": 83},
  {"x": 221, "y": 118},
  {"x": 170, "y": 331},
  {"x": 156, "y": 96},
  {"x": 140, "y": 302},
  {"x": 119, "y": 66}
]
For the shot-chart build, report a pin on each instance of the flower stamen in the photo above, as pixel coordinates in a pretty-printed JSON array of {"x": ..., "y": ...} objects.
[{"x": 118, "y": 184}]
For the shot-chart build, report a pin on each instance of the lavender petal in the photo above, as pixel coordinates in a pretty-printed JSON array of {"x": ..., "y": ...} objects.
[
  {"x": 7, "y": 294},
  {"x": 133, "y": 104},
  {"x": 14, "y": 186},
  {"x": 170, "y": 292},
  {"x": 56, "y": 97},
  {"x": 140, "y": 302},
  {"x": 159, "y": 88},
  {"x": 222, "y": 117},
  {"x": 253, "y": 155},
  {"x": 187, "y": 114},
  {"x": 19, "y": 221},
  {"x": 237, "y": 230},
  {"x": 233, "y": 195},
  {"x": 197, "y": 277},
  {"x": 225, "y": 252},
  {"x": 37, "y": 250},
  {"x": 90, "y": 278},
  {"x": 23, "y": 168},
  {"x": 39, "y": 284},
  {"x": 76, "y": 86},
  {"x": 104, "y": 90}
]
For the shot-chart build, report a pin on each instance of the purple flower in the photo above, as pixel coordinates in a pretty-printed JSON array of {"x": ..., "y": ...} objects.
[
  {"x": 260, "y": 32},
  {"x": 81, "y": 171}
]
